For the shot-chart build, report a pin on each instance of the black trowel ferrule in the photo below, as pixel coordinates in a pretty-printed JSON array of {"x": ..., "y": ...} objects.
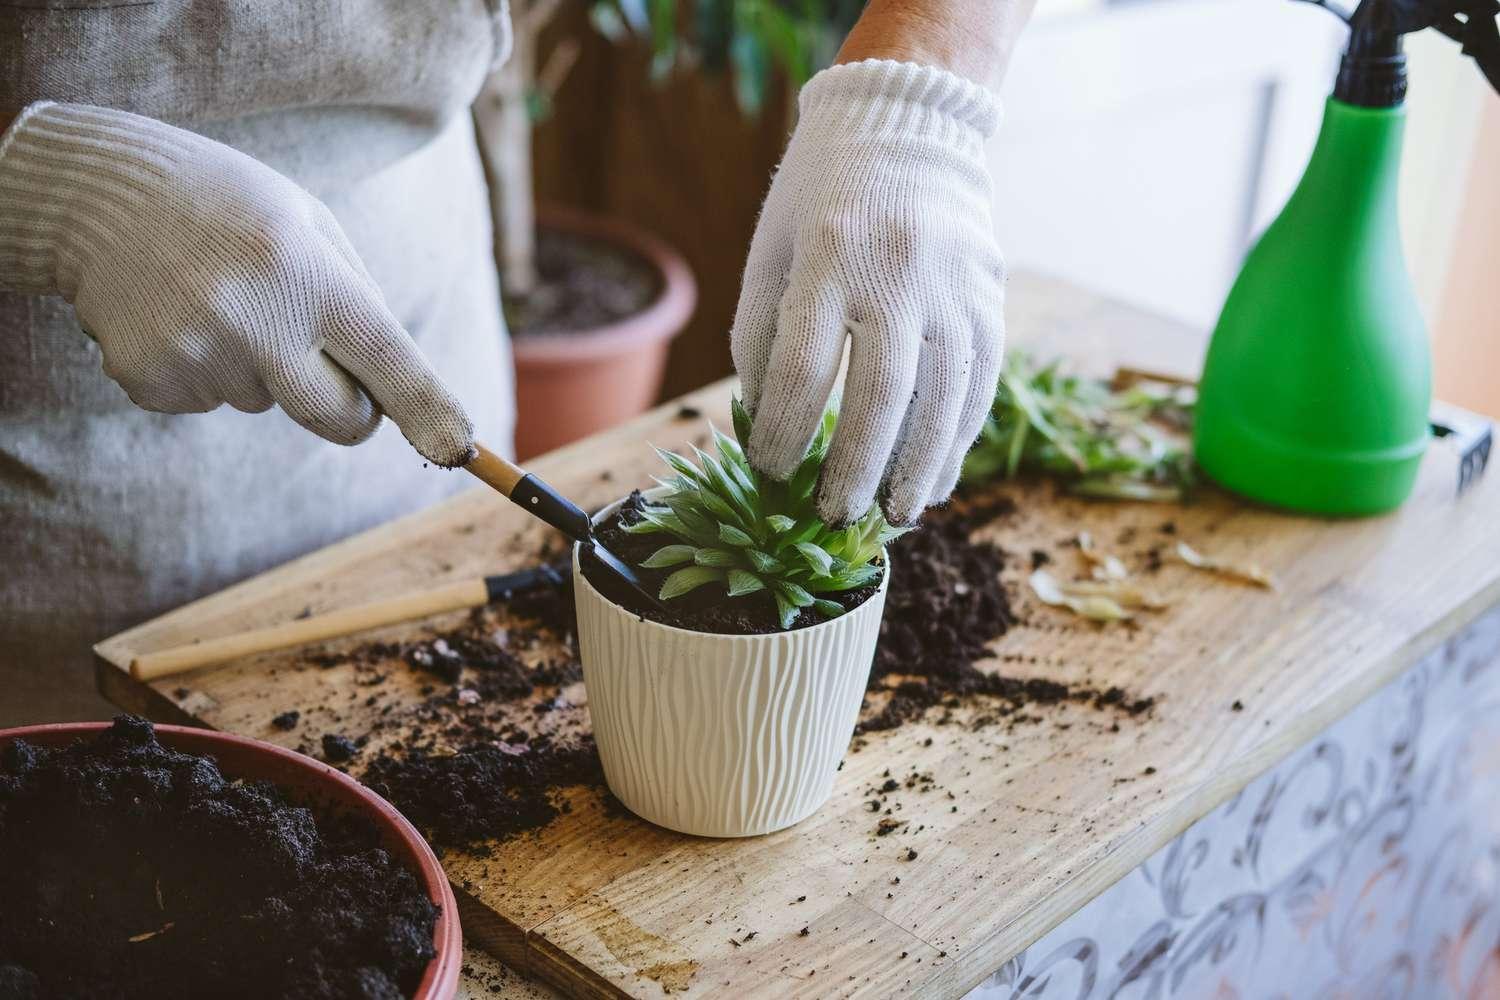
[{"x": 554, "y": 508}]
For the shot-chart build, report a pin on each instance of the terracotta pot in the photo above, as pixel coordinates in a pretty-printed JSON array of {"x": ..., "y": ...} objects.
[
  {"x": 318, "y": 786},
  {"x": 569, "y": 385}
]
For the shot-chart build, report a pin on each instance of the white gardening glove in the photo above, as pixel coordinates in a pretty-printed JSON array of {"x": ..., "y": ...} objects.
[
  {"x": 877, "y": 226},
  {"x": 209, "y": 278}
]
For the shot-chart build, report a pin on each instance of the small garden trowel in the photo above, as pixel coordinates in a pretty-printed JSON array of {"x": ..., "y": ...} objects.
[{"x": 542, "y": 501}]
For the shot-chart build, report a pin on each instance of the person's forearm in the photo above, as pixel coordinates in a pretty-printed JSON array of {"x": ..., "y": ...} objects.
[{"x": 972, "y": 38}]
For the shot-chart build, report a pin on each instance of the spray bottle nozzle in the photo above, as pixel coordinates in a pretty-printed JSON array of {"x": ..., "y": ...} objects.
[{"x": 1373, "y": 71}]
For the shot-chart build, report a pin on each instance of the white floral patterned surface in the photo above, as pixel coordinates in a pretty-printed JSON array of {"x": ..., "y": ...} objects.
[{"x": 1365, "y": 865}]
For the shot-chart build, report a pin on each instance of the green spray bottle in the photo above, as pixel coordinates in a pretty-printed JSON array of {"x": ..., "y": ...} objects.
[{"x": 1316, "y": 388}]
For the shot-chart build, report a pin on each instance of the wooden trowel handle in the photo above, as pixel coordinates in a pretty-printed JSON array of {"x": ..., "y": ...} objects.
[
  {"x": 346, "y": 621},
  {"x": 451, "y": 597},
  {"x": 495, "y": 471},
  {"x": 530, "y": 493}
]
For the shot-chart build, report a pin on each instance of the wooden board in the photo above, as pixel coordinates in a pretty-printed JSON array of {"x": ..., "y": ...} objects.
[{"x": 1028, "y": 823}]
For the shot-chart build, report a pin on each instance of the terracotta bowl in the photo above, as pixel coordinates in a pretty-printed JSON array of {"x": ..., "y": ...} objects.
[
  {"x": 320, "y": 787},
  {"x": 570, "y": 385}
]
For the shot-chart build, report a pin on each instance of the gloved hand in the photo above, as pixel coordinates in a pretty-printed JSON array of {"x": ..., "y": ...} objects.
[
  {"x": 207, "y": 277},
  {"x": 877, "y": 224}
]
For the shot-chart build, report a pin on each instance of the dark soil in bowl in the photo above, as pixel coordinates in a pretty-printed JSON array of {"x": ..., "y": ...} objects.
[
  {"x": 583, "y": 283},
  {"x": 705, "y": 609},
  {"x": 133, "y": 870}
]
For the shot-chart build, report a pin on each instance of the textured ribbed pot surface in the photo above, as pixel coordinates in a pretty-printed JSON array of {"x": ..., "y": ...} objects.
[{"x": 722, "y": 735}]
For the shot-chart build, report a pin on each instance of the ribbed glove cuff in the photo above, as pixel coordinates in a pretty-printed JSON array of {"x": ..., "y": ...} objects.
[
  {"x": 65, "y": 186},
  {"x": 29, "y": 214},
  {"x": 881, "y": 95}
]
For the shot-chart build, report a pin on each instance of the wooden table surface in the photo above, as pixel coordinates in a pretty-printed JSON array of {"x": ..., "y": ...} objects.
[{"x": 1027, "y": 823}]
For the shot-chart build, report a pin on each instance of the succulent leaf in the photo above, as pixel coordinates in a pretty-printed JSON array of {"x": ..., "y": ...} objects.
[
  {"x": 691, "y": 578},
  {"x": 679, "y": 465},
  {"x": 742, "y": 582},
  {"x": 764, "y": 563},
  {"x": 734, "y": 536},
  {"x": 818, "y": 559},
  {"x": 794, "y": 593},
  {"x": 669, "y": 555},
  {"x": 786, "y": 611},
  {"x": 741, "y": 419}
]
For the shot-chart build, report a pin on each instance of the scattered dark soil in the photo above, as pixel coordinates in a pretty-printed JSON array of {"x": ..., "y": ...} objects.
[
  {"x": 488, "y": 750},
  {"x": 338, "y": 748},
  {"x": 484, "y": 791},
  {"x": 494, "y": 744},
  {"x": 584, "y": 283},
  {"x": 131, "y": 870},
  {"x": 706, "y": 609},
  {"x": 945, "y": 605}
]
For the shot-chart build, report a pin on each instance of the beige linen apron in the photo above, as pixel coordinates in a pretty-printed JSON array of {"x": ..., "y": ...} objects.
[{"x": 110, "y": 514}]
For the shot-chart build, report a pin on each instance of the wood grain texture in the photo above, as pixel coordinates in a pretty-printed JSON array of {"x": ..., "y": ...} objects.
[{"x": 1022, "y": 826}]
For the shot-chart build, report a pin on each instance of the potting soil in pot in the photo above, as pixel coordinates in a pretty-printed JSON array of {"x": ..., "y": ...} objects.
[
  {"x": 131, "y": 870},
  {"x": 582, "y": 283},
  {"x": 704, "y": 609}
]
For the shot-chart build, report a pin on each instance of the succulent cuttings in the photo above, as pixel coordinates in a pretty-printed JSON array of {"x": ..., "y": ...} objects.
[
  {"x": 750, "y": 534},
  {"x": 1125, "y": 444}
]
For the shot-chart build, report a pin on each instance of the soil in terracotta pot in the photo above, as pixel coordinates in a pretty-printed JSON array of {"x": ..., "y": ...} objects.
[
  {"x": 132, "y": 870},
  {"x": 705, "y": 609},
  {"x": 583, "y": 283}
]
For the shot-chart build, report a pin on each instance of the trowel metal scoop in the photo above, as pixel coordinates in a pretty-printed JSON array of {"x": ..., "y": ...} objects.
[{"x": 542, "y": 501}]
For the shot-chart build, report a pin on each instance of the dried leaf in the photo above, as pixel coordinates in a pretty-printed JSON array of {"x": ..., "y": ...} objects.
[
  {"x": 1095, "y": 607},
  {"x": 1047, "y": 589},
  {"x": 1122, "y": 592},
  {"x": 1247, "y": 573},
  {"x": 1123, "y": 488},
  {"x": 148, "y": 935},
  {"x": 1099, "y": 609},
  {"x": 1106, "y": 566}
]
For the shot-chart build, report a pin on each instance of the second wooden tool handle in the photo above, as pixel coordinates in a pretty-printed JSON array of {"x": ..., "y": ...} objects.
[{"x": 452, "y": 597}]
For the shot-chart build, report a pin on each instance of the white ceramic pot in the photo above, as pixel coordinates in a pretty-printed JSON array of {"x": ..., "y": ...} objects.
[{"x": 722, "y": 735}]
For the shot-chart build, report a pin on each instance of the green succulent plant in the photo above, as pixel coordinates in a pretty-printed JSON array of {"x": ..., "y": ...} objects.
[
  {"x": 1127, "y": 444},
  {"x": 750, "y": 534}
]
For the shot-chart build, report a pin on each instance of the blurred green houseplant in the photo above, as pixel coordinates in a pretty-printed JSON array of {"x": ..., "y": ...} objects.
[{"x": 753, "y": 40}]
